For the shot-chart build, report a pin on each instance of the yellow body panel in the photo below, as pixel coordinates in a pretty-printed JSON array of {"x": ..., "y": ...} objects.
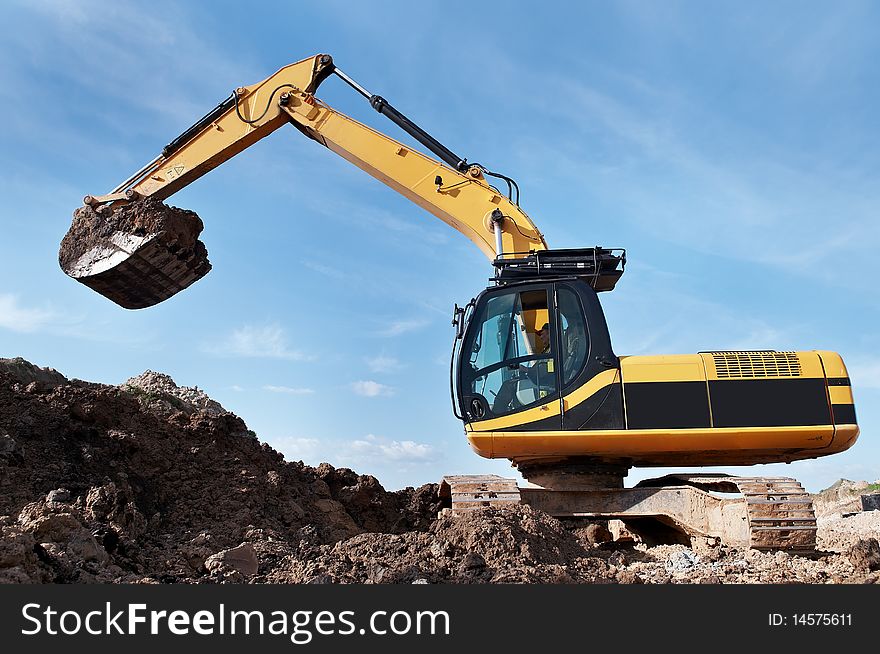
[
  {"x": 840, "y": 394},
  {"x": 662, "y": 368},
  {"x": 654, "y": 447},
  {"x": 833, "y": 364}
]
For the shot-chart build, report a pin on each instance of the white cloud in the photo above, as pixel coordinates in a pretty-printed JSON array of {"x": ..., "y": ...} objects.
[
  {"x": 369, "y": 388},
  {"x": 237, "y": 388},
  {"x": 289, "y": 390},
  {"x": 361, "y": 454},
  {"x": 18, "y": 318},
  {"x": 398, "y": 327},
  {"x": 267, "y": 342},
  {"x": 382, "y": 363},
  {"x": 376, "y": 447}
]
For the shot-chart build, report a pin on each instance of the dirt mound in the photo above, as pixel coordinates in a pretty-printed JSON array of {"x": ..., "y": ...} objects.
[
  {"x": 837, "y": 532},
  {"x": 163, "y": 396},
  {"x": 149, "y": 481},
  {"x": 841, "y": 497},
  {"x": 137, "y": 254},
  {"x": 25, "y": 372},
  {"x": 106, "y": 483},
  {"x": 511, "y": 545}
]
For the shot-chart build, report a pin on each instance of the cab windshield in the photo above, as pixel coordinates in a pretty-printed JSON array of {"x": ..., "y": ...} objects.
[{"x": 509, "y": 352}]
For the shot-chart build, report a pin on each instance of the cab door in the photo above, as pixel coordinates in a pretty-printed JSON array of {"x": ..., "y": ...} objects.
[
  {"x": 507, "y": 371},
  {"x": 589, "y": 371}
]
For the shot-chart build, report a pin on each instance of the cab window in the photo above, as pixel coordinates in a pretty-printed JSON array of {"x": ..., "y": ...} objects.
[
  {"x": 510, "y": 352},
  {"x": 575, "y": 335}
]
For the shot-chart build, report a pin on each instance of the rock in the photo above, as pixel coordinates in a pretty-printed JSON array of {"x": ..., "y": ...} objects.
[
  {"x": 16, "y": 548},
  {"x": 159, "y": 391},
  {"x": 628, "y": 577},
  {"x": 865, "y": 555},
  {"x": 337, "y": 522},
  {"x": 108, "y": 538},
  {"x": 11, "y": 452},
  {"x": 55, "y": 527},
  {"x": 24, "y": 373},
  {"x": 83, "y": 547},
  {"x": 242, "y": 559},
  {"x": 617, "y": 559},
  {"x": 597, "y": 533},
  {"x": 473, "y": 562},
  {"x": 681, "y": 561},
  {"x": 441, "y": 548},
  {"x": 58, "y": 496}
]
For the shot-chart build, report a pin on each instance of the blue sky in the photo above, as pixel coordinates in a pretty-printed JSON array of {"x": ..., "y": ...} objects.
[{"x": 731, "y": 148}]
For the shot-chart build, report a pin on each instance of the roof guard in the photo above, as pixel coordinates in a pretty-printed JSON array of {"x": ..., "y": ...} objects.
[{"x": 600, "y": 267}]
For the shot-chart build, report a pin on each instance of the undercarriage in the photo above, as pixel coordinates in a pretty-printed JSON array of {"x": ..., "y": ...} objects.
[{"x": 767, "y": 513}]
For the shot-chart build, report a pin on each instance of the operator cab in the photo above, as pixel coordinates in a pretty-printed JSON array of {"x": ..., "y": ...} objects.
[{"x": 504, "y": 363}]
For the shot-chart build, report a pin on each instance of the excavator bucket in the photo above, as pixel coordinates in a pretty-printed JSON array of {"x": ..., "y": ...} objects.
[{"x": 137, "y": 254}]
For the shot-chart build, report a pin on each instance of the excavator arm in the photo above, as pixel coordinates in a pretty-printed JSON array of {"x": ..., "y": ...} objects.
[{"x": 455, "y": 191}]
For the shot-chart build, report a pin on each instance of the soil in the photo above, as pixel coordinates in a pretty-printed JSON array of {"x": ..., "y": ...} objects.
[
  {"x": 148, "y": 482},
  {"x": 94, "y": 235},
  {"x": 138, "y": 254}
]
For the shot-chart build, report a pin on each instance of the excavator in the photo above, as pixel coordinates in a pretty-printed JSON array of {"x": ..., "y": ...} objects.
[{"x": 533, "y": 375}]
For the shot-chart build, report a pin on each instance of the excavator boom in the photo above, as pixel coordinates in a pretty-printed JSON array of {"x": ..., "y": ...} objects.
[{"x": 140, "y": 271}]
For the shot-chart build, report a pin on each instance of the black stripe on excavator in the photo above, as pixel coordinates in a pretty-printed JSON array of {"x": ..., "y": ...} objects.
[
  {"x": 839, "y": 381},
  {"x": 544, "y": 424},
  {"x": 735, "y": 403},
  {"x": 602, "y": 410},
  {"x": 769, "y": 402},
  {"x": 684, "y": 405},
  {"x": 666, "y": 405},
  {"x": 844, "y": 414}
]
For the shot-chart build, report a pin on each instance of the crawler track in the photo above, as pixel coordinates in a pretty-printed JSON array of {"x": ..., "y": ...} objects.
[{"x": 780, "y": 513}]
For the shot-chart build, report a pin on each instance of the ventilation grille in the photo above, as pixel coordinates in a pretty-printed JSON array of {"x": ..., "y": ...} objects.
[{"x": 765, "y": 363}]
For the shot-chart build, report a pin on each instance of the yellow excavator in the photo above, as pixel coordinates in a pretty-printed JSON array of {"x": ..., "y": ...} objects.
[{"x": 534, "y": 377}]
